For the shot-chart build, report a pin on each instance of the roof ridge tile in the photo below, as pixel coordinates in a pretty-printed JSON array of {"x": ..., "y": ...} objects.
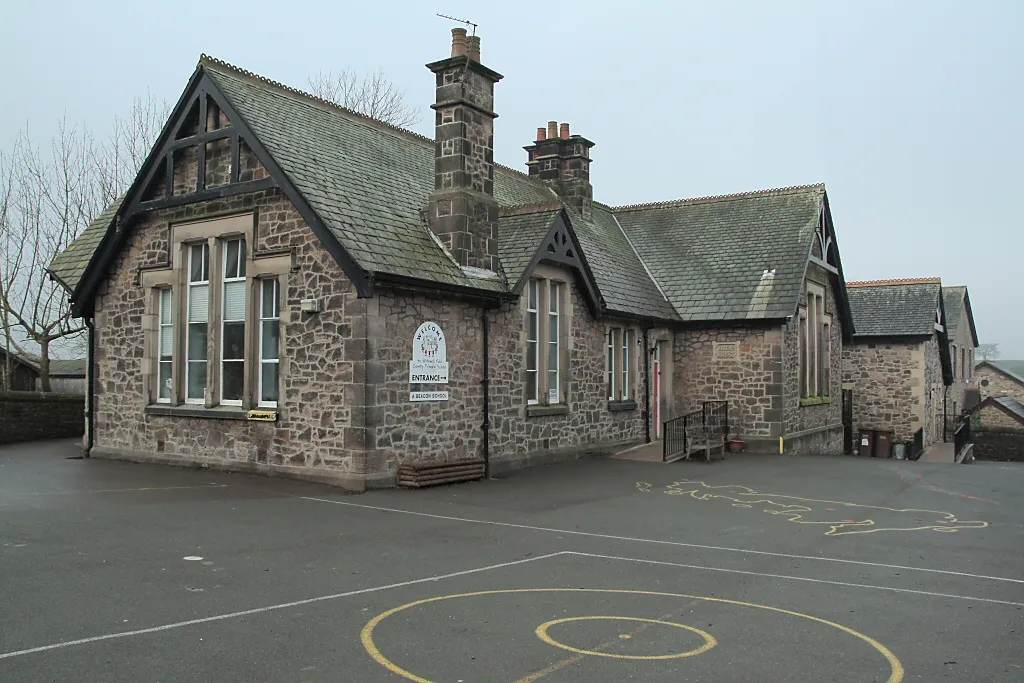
[
  {"x": 536, "y": 207},
  {"x": 897, "y": 281},
  {"x": 770, "y": 192},
  {"x": 205, "y": 59}
]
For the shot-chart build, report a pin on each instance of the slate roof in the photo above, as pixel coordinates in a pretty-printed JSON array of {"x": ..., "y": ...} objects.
[
  {"x": 368, "y": 182},
  {"x": 956, "y": 301},
  {"x": 894, "y": 308},
  {"x": 709, "y": 255},
  {"x": 520, "y": 235},
  {"x": 74, "y": 367},
  {"x": 624, "y": 281},
  {"x": 70, "y": 264}
]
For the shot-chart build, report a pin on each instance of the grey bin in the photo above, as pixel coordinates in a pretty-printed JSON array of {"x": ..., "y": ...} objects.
[{"x": 899, "y": 451}]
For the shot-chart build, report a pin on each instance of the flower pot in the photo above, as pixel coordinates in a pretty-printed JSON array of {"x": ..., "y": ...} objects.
[{"x": 735, "y": 446}]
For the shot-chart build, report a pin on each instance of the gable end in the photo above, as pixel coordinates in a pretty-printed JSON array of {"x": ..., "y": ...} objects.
[{"x": 144, "y": 196}]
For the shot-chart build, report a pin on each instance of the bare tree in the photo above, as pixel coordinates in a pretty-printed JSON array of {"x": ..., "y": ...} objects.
[
  {"x": 121, "y": 154},
  {"x": 372, "y": 95},
  {"x": 989, "y": 351},
  {"x": 51, "y": 202},
  {"x": 46, "y": 200}
]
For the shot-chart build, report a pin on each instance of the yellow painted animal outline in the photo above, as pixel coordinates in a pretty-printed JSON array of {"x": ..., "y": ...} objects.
[{"x": 793, "y": 511}]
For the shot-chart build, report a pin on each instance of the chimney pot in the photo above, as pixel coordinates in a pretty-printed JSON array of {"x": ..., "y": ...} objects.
[
  {"x": 540, "y": 134},
  {"x": 563, "y": 131},
  {"x": 473, "y": 48},
  {"x": 552, "y": 129},
  {"x": 458, "y": 42}
]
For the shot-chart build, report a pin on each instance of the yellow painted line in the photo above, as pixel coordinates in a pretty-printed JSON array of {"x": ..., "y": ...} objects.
[
  {"x": 895, "y": 667},
  {"x": 709, "y": 640},
  {"x": 146, "y": 488},
  {"x": 744, "y": 496}
]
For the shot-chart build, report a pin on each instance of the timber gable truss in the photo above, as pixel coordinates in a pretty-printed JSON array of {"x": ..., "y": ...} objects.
[
  {"x": 824, "y": 253},
  {"x": 561, "y": 248},
  {"x": 202, "y": 117}
]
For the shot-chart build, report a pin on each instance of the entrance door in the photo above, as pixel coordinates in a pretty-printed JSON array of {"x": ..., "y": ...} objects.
[
  {"x": 656, "y": 397},
  {"x": 848, "y": 421}
]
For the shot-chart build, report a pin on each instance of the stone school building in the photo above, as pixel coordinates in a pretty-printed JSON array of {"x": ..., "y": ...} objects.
[{"x": 293, "y": 288}]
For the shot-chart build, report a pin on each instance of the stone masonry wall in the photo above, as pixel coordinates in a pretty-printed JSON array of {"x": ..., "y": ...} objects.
[
  {"x": 31, "y": 416},
  {"x": 962, "y": 377},
  {"x": 888, "y": 391},
  {"x": 827, "y": 417},
  {"x": 316, "y": 427},
  {"x": 445, "y": 430},
  {"x": 934, "y": 418},
  {"x": 992, "y": 416},
  {"x": 994, "y": 383},
  {"x": 751, "y": 382}
]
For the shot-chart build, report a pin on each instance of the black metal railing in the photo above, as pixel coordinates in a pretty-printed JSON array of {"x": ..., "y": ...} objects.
[
  {"x": 680, "y": 432},
  {"x": 961, "y": 438},
  {"x": 677, "y": 433},
  {"x": 917, "y": 447}
]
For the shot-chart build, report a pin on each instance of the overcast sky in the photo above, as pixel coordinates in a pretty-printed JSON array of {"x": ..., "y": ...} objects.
[{"x": 910, "y": 112}]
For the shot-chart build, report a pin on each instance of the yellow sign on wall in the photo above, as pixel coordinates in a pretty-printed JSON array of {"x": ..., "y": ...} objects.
[{"x": 263, "y": 415}]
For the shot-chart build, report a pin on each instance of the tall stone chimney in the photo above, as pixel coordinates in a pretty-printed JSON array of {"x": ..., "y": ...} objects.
[
  {"x": 563, "y": 160},
  {"x": 462, "y": 210}
]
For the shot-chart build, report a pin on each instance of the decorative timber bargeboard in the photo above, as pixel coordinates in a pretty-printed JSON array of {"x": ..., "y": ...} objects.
[{"x": 202, "y": 117}]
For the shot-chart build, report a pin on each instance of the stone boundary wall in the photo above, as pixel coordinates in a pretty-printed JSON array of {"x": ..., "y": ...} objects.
[
  {"x": 32, "y": 416},
  {"x": 998, "y": 444}
]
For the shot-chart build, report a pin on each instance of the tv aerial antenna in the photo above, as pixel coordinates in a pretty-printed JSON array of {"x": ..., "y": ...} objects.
[{"x": 467, "y": 22}]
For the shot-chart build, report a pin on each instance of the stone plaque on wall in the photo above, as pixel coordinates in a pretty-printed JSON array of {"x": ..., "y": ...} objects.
[{"x": 726, "y": 350}]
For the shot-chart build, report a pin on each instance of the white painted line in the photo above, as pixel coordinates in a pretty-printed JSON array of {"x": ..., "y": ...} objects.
[
  {"x": 81, "y": 491},
  {"x": 680, "y": 544},
  {"x": 799, "y": 578},
  {"x": 269, "y": 608}
]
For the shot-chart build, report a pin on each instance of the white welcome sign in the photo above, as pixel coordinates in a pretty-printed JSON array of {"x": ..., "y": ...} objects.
[{"x": 429, "y": 364}]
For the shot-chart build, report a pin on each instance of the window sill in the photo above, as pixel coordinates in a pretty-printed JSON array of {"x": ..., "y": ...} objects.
[
  {"x": 539, "y": 410},
  {"x": 186, "y": 410},
  {"x": 815, "y": 401},
  {"x": 622, "y": 406}
]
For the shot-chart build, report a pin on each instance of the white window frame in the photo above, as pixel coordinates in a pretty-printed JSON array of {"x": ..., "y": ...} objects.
[
  {"x": 241, "y": 257},
  {"x": 274, "y": 319},
  {"x": 816, "y": 334},
  {"x": 612, "y": 375},
  {"x": 554, "y": 330},
  {"x": 162, "y": 324},
  {"x": 826, "y": 365},
  {"x": 533, "y": 309},
  {"x": 625, "y": 364},
  {"x": 191, "y": 286}
]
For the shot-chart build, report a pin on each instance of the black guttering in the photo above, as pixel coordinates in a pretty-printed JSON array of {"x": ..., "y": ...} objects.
[
  {"x": 90, "y": 385},
  {"x": 486, "y": 384}
]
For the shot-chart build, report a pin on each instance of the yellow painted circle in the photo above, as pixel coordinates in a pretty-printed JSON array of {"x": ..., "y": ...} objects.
[
  {"x": 709, "y": 640},
  {"x": 895, "y": 667}
]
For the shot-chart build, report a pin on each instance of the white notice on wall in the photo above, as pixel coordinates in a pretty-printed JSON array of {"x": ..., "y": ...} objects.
[
  {"x": 429, "y": 364},
  {"x": 428, "y": 395},
  {"x": 552, "y": 395}
]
